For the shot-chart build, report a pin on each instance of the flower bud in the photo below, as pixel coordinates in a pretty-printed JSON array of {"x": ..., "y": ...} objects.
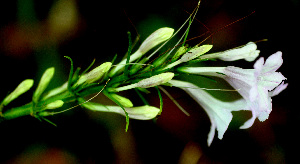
[
  {"x": 43, "y": 84},
  {"x": 155, "y": 80},
  {"x": 148, "y": 82},
  {"x": 94, "y": 75},
  {"x": 153, "y": 40},
  {"x": 179, "y": 52},
  {"x": 140, "y": 113},
  {"x": 248, "y": 52},
  {"x": 55, "y": 104},
  {"x": 195, "y": 52},
  {"x": 23, "y": 87},
  {"x": 156, "y": 38},
  {"x": 190, "y": 55},
  {"x": 125, "y": 102}
]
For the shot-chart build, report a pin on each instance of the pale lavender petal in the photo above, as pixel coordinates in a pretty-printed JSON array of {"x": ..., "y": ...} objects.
[
  {"x": 278, "y": 89},
  {"x": 273, "y": 62},
  {"x": 271, "y": 80},
  {"x": 258, "y": 66},
  {"x": 211, "y": 133}
]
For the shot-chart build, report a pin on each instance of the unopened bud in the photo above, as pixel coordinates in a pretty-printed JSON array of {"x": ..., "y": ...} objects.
[
  {"x": 23, "y": 87},
  {"x": 248, "y": 52},
  {"x": 155, "y": 80},
  {"x": 190, "y": 55},
  {"x": 156, "y": 38},
  {"x": 43, "y": 84},
  {"x": 94, "y": 75},
  {"x": 179, "y": 52},
  {"x": 148, "y": 82},
  {"x": 153, "y": 40},
  {"x": 140, "y": 113},
  {"x": 55, "y": 104},
  {"x": 125, "y": 102},
  {"x": 195, "y": 52}
]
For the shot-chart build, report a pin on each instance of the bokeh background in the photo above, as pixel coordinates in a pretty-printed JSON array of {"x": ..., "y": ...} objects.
[{"x": 35, "y": 35}]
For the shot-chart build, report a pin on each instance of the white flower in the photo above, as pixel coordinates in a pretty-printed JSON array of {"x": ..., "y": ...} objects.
[
  {"x": 254, "y": 85},
  {"x": 219, "y": 112},
  {"x": 248, "y": 52},
  {"x": 145, "y": 112}
]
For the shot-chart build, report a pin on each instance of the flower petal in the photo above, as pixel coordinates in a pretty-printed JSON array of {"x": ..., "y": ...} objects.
[{"x": 273, "y": 62}]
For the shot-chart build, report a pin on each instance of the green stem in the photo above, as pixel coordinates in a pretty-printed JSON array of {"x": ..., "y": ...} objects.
[{"x": 18, "y": 112}]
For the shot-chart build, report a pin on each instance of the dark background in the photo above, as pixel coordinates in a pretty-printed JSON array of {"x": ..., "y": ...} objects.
[{"x": 29, "y": 44}]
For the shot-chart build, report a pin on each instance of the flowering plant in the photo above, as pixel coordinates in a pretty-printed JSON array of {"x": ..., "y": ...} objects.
[{"x": 256, "y": 86}]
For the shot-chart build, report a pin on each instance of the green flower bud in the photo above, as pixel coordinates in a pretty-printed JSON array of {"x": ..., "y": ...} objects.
[
  {"x": 23, "y": 87},
  {"x": 148, "y": 82},
  {"x": 43, "y": 84},
  {"x": 140, "y": 113},
  {"x": 190, "y": 55},
  {"x": 179, "y": 52},
  {"x": 94, "y": 75},
  {"x": 156, "y": 38},
  {"x": 55, "y": 104},
  {"x": 153, "y": 40},
  {"x": 248, "y": 52},
  {"x": 195, "y": 52},
  {"x": 155, "y": 80},
  {"x": 125, "y": 102}
]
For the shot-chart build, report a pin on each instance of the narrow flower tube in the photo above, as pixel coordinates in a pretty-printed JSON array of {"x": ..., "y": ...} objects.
[
  {"x": 43, "y": 84},
  {"x": 254, "y": 85},
  {"x": 248, "y": 52},
  {"x": 148, "y": 82},
  {"x": 140, "y": 113},
  {"x": 219, "y": 112},
  {"x": 23, "y": 87},
  {"x": 94, "y": 75},
  {"x": 159, "y": 36}
]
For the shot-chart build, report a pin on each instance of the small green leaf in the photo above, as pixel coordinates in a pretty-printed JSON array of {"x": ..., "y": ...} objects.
[
  {"x": 160, "y": 100},
  {"x": 116, "y": 101},
  {"x": 71, "y": 72},
  {"x": 141, "y": 96},
  {"x": 126, "y": 72},
  {"x": 89, "y": 67}
]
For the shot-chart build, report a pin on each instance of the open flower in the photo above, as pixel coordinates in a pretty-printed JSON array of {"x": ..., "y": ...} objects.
[
  {"x": 219, "y": 112},
  {"x": 254, "y": 85},
  {"x": 248, "y": 52}
]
